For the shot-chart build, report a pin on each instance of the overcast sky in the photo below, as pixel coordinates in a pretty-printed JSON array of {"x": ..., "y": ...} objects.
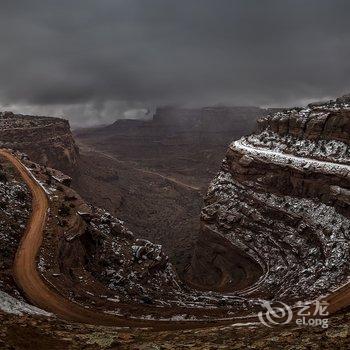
[{"x": 95, "y": 61}]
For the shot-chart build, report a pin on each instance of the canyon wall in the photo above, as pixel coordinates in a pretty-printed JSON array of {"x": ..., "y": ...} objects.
[
  {"x": 319, "y": 121},
  {"x": 47, "y": 141},
  {"x": 281, "y": 198}
]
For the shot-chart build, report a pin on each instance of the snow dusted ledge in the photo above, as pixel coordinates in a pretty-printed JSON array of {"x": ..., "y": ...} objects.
[
  {"x": 283, "y": 159},
  {"x": 14, "y": 306}
]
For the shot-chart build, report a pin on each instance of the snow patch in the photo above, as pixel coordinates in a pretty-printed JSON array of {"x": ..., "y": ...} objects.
[{"x": 14, "y": 306}]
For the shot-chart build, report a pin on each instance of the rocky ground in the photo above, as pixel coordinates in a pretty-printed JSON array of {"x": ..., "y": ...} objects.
[
  {"x": 35, "y": 333},
  {"x": 15, "y": 204},
  {"x": 91, "y": 258}
]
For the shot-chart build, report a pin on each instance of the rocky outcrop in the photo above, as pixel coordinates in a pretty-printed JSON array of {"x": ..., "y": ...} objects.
[
  {"x": 282, "y": 198},
  {"x": 318, "y": 121},
  {"x": 47, "y": 141}
]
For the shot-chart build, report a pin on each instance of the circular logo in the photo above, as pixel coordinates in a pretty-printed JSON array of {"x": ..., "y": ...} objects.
[{"x": 275, "y": 315}]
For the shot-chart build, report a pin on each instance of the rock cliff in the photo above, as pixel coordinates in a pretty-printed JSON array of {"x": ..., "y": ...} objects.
[
  {"x": 319, "y": 121},
  {"x": 281, "y": 204},
  {"x": 46, "y": 140}
]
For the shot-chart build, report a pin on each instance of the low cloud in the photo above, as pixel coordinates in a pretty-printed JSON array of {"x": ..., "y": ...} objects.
[{"x": 96, "y": 61}]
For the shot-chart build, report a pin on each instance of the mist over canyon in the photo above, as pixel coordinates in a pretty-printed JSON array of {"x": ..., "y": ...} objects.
[{"x": 95, "y": 62}]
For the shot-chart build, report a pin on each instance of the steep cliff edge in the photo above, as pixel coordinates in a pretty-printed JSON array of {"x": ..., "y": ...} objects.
[
  {"x": 282, "y": 200},
  {"x": 318, "y": 121},
  {"x": 46, "y": 140}
]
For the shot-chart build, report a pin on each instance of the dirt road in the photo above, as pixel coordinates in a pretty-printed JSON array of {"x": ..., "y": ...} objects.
[
  {"x": 29, "y": 280},
  {"x": 40, "y": 294}
]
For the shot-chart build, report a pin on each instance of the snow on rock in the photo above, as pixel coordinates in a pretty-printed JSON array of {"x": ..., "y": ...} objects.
[
  {"x": 11, "y": 305},
  {"x": 282, "y": 197},
  {"x": 327, "y": 150}
]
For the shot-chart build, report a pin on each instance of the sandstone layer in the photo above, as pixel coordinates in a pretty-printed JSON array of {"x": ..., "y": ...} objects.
[
  {"x": 281, "y": 198},
  {"x": 47, "y": 140}
]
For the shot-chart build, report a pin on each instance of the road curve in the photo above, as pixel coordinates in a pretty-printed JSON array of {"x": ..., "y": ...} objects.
[{"x": 38, "y": 292}]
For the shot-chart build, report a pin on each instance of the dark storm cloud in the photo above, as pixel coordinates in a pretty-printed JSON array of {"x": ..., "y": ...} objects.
[{"x": 97, "y": 59}]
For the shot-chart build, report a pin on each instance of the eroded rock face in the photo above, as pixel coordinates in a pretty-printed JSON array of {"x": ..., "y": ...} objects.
[
  {"x": 47, "y": 141},
  {"x": 282, "y": 198},
  {"x": 318, "y": 121},
  {"x": 93, "y": 259}
]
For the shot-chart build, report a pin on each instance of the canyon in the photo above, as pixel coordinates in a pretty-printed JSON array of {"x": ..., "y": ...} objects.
[
  {"x": 273, "y": 226},
  {"x": 160, "y": 169}
]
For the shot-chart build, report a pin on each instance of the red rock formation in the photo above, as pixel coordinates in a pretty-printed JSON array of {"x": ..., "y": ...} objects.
[
  {"x": 325, "y": 121},
  {"x": 282, "y": 197},
  {"x": 46, "y": 140}
]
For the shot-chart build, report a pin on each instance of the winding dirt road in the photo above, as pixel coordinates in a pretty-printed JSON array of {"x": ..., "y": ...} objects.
[
  {"x": 29, "y": 280},
  {"x": 40, "y": 294}
]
